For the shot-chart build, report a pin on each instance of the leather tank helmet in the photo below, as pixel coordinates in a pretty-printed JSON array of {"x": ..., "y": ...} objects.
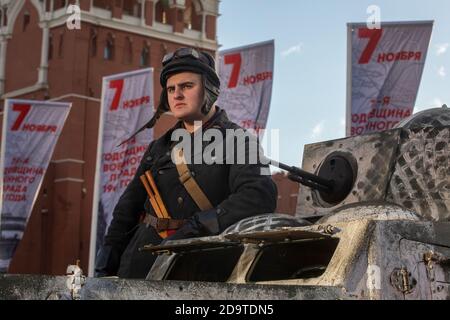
[
  {"x": 191, "y": 60},
  {"x": 186, "y": 60}
]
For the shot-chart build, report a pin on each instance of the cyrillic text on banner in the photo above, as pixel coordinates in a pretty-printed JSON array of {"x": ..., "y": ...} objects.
[
  {"x": 386, "y": 69},
  {"x": 246, "y": 75},
  {"x": 30, "y": 132},
  {"x": 127, "y": 104}
]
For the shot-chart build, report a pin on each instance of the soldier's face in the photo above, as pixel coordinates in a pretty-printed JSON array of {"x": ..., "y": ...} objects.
[{"x": 185, "y": 96}]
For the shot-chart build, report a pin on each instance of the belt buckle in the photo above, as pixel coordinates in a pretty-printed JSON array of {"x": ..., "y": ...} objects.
[
  {"x": 185, "y": 176},
  {"x": 162, "y": 224}
]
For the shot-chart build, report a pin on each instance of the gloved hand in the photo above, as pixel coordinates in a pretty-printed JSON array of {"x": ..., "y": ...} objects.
[{"x": 204, "y": 223}]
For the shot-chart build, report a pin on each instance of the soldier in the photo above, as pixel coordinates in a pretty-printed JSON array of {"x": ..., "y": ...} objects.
[{"x": 202, "y": 200}]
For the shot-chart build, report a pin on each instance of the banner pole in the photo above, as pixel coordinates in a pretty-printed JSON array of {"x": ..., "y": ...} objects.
[
  {"x": 2, "y": 156},
  {"x": 95, "y": 205},
  {"x": 348, "y": 115}
]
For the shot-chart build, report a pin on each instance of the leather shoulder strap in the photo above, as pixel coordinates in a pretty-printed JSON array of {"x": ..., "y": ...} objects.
[{"x": 189, "y": 182}]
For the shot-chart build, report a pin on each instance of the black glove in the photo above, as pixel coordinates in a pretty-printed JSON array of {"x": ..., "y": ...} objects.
[
  {"x": 204, "y": 223},
  {"x": 107, "y": 262}
]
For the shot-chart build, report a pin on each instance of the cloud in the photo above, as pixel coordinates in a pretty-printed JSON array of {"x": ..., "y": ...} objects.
[
  {"x": 292, "y": 50},
  {"x": 441, "y": 72},
  {"x": 317, "y": 130},
  {"x": 441, "y": 48}
]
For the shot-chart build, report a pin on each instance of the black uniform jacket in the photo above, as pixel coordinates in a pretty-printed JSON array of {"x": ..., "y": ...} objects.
[{"x": 236, "y": 191}]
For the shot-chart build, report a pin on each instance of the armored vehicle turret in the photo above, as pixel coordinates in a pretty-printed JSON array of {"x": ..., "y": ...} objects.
[{"x": 380, "y": 231}]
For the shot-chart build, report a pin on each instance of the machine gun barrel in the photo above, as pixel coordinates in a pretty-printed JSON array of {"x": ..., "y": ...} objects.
[{"x": 306, "y": 178}]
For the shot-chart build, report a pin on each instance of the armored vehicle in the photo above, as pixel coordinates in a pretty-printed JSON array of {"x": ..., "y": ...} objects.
[{"x": 373, "y": 223}]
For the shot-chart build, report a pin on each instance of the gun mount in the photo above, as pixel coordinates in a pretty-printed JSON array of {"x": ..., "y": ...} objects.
[{"x": 333, "y": 181}]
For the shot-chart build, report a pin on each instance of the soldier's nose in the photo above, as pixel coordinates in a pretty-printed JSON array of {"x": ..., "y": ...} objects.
[{"x": 178, "y": 93}]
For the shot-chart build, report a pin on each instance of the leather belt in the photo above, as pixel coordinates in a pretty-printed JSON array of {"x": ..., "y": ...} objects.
[{"x": 162, "y": 224}]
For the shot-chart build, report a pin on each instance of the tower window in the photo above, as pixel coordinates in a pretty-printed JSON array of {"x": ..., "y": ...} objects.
[
  {"x": 132, "y": 8},
  {"x": 162, "y": 11},
  {"x": 26, "y": 20},
  {"x": 191, "y": 17},
  {"x": 93, "y": 48},
  {"x": 128, "y": 51},
  {"x": 187, "y": 18},
  {"x": 145, "y": 55},
  {"x": 108, "y": 53}
]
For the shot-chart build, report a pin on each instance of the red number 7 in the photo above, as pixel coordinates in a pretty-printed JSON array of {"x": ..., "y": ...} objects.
[
  {"x": 374, "y": 36},
  {"x": 118, "y": 85},
  {"x": 23, "y": 110},
  {"x": 235, "y": 60}
]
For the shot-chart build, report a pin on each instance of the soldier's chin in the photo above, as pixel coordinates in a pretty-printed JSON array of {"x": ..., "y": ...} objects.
[
  {"x": 181, "y": 114},
  {"x": 187, "y": 117}
]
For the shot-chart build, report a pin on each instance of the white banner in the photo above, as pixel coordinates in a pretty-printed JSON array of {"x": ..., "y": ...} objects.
[
  {"x": 386, "y": 69},
  {"x": 246, "y": 76},
  {"x": 127, "y": 104},
  {"x": 30, "y": 132}
]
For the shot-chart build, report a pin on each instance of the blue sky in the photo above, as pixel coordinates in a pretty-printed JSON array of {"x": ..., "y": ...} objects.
[{"x": 309, "y": 89}]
